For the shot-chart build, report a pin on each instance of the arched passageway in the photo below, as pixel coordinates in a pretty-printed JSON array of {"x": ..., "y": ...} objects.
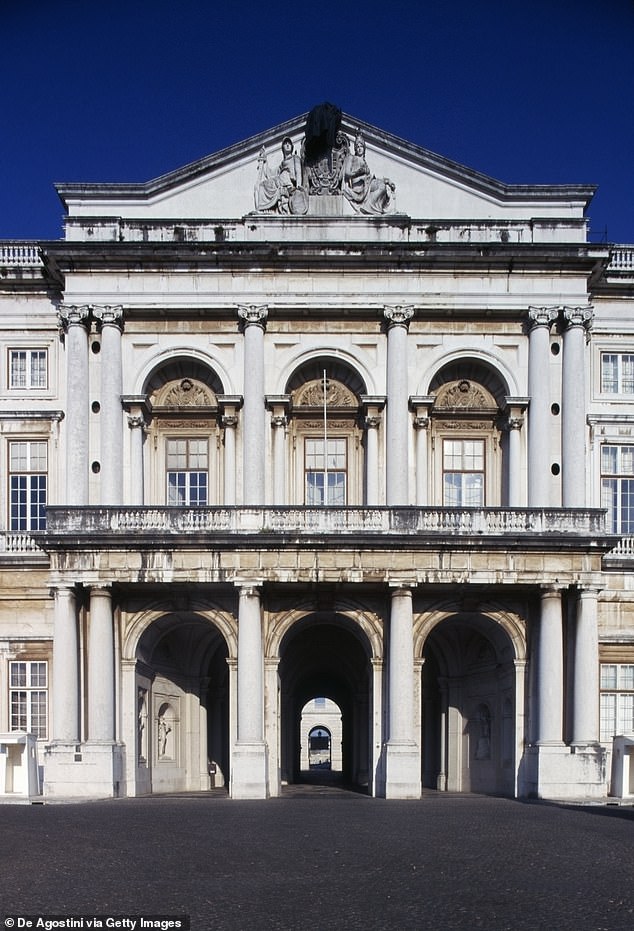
[
  {"x": 469, "y": 705},
  {"x": 326, "y": 655},
  {"x": 182, "y": 694}
]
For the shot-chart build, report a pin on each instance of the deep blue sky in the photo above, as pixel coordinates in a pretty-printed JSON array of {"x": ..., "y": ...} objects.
[{"x": 528, "y": 91}]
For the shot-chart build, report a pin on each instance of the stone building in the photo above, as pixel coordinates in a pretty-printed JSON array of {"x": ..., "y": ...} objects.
[{"x": 323, "y": 415}]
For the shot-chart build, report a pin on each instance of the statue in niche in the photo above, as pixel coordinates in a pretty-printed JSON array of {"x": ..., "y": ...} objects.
[
  {"x": 367, "y": 193},
  {"x": 281, "y": 190},
  {"x": 141, "y": 719},
  {"x": 483, "y": 743},
  {"x": 164, "y": 730}
]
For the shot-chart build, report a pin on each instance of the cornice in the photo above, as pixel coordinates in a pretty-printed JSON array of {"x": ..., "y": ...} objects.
[
  {"x": 84, "y": 256},
  {"x": 378, "y": 138}
]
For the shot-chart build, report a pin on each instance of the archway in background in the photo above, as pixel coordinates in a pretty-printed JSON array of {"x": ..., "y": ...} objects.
[{"x": 326, "y": 655}]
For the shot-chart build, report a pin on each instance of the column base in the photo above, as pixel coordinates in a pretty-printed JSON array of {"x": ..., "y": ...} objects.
[
  {"x": 562, "y": 772},
  {"x": 84, "y": 770},
  {"x": 402, "y": 771},
  {"x": 249, "y": 771}
]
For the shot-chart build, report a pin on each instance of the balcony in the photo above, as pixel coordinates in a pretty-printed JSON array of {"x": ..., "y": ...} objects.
[{"x": 86, "y": 526}]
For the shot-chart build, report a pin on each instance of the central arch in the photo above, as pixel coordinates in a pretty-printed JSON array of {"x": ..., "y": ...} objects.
[{"x": 326, "y": 654}]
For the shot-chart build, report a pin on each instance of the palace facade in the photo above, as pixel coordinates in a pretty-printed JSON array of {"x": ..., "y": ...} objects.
[{"x": 323, "y": 418}]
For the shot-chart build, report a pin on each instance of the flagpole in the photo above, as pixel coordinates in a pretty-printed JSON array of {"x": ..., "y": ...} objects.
[{"x": 325, "y": 445}]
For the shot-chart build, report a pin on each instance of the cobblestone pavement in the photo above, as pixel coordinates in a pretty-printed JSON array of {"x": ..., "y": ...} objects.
[{"x": 322, "y": 859}]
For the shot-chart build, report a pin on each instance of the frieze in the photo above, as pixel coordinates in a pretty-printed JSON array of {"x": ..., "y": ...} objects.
[
  {"x": 319, "y": 424},
  {"x": 177, "y": 424}
]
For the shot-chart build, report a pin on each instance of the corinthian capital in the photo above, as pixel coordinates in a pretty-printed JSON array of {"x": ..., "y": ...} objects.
[
  {"x": 542, "y": 316},
  {"x": 399, "y": 315},
  {"x": 73, "y": 315},
  {"x": 109, "y": 315},
  {"x": 579, "y": 316},
  {"x": 253, "y": 314}
]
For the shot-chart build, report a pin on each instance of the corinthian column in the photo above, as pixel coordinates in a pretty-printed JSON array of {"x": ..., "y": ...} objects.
[
  {"x": 550, "y": 666},
  {"x": 76, "y": 322},
  {"x": 540, "y": 320},
  {"x": 402, "y": 763},
  {"x": 585, "y": 715},
  {"x": 253, "y": 324},
  {"x": 65, "y": 668},
  {"x": 573, "y": 407},
  {"x": 248, "y": 775},
  {"x": 111, "y": 323},
  {"x": 101, "y": 726},
  {"x": 397, "y": 416}
]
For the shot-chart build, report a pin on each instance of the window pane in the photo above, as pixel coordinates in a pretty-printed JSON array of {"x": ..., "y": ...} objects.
[
  {"x": 314, "y": 489},
  {"x": 609, "y": 373},
  {"x": 18, "y": 369},
  {"x": 18, "y": 675},
  {"x": 176, "y": 489},
  {"x": 38, "y": 720},
  {"x": 38, "y": 675},
  {"x": 608, "y": 716},
  {"x": 18, "y": 711},
  {"x": 626, "y": 714},
  {"x": 38, "y": 369},
  {"x": 473, "y": 491},
  {"x": 626, "y": 677}
]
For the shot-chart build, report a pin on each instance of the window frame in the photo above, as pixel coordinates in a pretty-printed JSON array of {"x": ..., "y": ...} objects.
[
  {"x": 30, "y": 691},
  {"x": 336, "y": 438},
  {"x": 614, "y": 694},
  {"x": 482, "y": 440},
  {"x": 622, "y": 483},
  {"x": 27, "y": 494},
  {"x": 30, "y": 383},
  {"x": 624, "y": 384},
  {"x": 187, "y": 472}
]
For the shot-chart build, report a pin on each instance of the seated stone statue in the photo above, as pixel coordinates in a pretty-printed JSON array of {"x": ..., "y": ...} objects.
[
  {"x": 366, "y": 193},
  {"x": 281, "y": 190}
]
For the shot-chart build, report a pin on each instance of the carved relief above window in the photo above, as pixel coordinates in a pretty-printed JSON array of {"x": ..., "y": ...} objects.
[
  {"x": 186, "y": 392},
  {"x": 312, "y": 395},
  {"x": 464, "y": 394}
]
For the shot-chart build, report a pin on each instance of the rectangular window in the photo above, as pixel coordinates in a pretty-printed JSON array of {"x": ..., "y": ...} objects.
[
  {"x": 617, "y": 487},
  {"x": 617, "y": 373},
  {"x": 28, "y": 467},
  {"x": 28, "y": 697},
  {"x": 187, "y": 472},
  {"x": 326, "y": 477},
  {"x": 463, "y": 473},
  {"x": 28, "y": 368},
  {"x": 617, "y": 699}
]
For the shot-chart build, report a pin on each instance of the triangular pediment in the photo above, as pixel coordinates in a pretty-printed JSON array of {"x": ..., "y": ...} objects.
[{"x": 368, "y": 173}]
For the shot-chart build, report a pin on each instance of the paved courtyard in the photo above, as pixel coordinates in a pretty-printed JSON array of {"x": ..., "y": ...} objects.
[{"x": 322, "y": 859}]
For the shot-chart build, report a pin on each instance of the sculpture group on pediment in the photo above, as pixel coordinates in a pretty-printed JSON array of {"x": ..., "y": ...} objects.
[
  {"x": 327, "y": 166},
  {"x": 281, "y": 190},
  {"x": 367, "y": 193}
]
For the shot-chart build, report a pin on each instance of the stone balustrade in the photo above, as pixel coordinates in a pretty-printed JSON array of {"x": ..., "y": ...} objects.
[
  {"x": 622, "y": 259},
  {"x": 398, "y": 521},
  {"x": 18, "y": 543},
  {"x": 14, "y": 253}
]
